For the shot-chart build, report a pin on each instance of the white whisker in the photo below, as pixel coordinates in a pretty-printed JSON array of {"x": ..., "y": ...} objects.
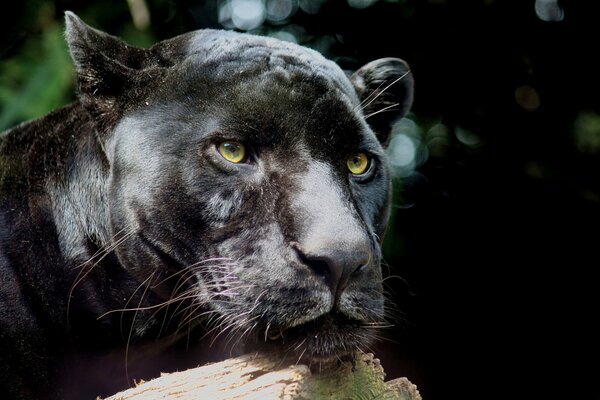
[
  {"x": 382, "y": 110},
  {"x": 384, "y": 89}
]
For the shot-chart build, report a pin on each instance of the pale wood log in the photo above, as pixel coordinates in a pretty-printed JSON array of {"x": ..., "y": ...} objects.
[{"x": 253, "y": 377}]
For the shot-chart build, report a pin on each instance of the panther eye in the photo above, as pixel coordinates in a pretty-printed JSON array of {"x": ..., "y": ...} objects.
[
  {"x": 232, "y": 151},
  {"x": 358, "y": 163}
]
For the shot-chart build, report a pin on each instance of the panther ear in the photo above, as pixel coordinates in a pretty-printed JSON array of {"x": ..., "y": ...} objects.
[
  {"x": 385, "y": 88},
  {"x": 103, "y": 62},
  {"x": 108, "y": 69}
]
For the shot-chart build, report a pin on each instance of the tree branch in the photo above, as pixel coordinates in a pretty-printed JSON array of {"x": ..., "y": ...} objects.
[{"x": 261, "y": 377}]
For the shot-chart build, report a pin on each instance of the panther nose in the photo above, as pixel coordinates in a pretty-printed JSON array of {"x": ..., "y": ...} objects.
[{"x": 336, "y": 266}]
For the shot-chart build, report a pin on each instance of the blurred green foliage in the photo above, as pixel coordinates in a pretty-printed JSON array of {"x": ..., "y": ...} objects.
[
  {"x": 40, "y": 79},
  {"x": 38, "y": 75}
]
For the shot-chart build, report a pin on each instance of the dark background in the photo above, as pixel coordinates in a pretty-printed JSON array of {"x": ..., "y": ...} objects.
[{"x": 493, "y": 245}]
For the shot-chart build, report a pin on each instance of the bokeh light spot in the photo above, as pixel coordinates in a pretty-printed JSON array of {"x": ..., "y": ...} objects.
[
  {"x": 438, "y": 140},
  {"x": 586, "y": 130},
  {"x": 285, "y": 36},
  {"x": 527, "y": 97},
  {"x": 245, "y": 14},
  {"x": 467, "y": 137},
  {"x": 549, "y": 10},
  {"x": 405, "y": 151},
  {"x": 225, "y": 15},
  {"x": 311, "y": 6},
  {"x": 534, "y": 170},
  {"x": 360, "y": 4},
  {"x": 402, "y": 151},
  {"x": 280, "y": 10}
]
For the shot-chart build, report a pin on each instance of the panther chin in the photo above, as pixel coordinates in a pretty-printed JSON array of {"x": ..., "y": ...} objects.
[{"x": 329, "y": 338}]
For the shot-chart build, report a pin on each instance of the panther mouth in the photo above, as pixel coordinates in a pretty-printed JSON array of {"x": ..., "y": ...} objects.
[{"x": 332, "y": 336}]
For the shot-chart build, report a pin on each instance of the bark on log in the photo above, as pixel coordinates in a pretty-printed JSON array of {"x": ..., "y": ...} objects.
[{"x": 253, "y": 377}]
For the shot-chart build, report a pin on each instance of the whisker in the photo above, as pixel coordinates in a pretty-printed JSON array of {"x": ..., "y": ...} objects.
[
  {"x": 104, "y": 249},
  {"x": 105, "y": 252},
  {"x": 382, "y": 110},
  {"x": 193, "y": 316},
  {"x": 160, "y": 305},
  {"x": 303, "y": 351},
  {"x": 384, "y": 89},
  {"x": 368, "y": 98},
  {"x": 148, "y": 280}
]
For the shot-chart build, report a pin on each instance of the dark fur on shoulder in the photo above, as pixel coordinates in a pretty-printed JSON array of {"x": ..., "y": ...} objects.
[{"x": 126, "y": 236}]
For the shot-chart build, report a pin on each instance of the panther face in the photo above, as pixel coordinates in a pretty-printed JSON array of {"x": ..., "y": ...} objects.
[{"x": 252, "y": 176}]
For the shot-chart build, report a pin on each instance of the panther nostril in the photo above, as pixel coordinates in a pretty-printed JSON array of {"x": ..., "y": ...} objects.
[{"x": 320, "y": 267}]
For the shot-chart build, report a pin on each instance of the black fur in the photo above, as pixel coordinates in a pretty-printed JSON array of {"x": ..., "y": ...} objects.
[{"x": 122, "y": 227}]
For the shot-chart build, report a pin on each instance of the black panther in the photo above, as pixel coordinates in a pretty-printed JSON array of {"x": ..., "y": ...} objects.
[{"x": 217, "y": 187}]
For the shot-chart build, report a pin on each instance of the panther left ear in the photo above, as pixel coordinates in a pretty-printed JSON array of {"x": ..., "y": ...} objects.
[{"x": 385, "y": 88}]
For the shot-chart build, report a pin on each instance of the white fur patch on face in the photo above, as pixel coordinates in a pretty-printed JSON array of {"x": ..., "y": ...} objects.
[
  {"x": 220, "y": 208},
  {"x": 76, "y": 210},
  {"x": 325, "y": 208},
  {"x": 129, "y": 144}
]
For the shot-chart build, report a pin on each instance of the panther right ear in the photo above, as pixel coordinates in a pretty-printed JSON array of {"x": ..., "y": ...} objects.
[
  {"x": 108, "y": 69},
  {"x": 103, "y": 62}
]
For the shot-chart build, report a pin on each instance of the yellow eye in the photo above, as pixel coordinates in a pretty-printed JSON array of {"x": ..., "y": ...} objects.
[
  {"x": 358, "y": 163},
  {"x": 234, "y": 152}
]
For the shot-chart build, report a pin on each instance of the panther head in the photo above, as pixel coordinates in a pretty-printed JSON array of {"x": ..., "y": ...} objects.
[{"x": 252, "y": 174}]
